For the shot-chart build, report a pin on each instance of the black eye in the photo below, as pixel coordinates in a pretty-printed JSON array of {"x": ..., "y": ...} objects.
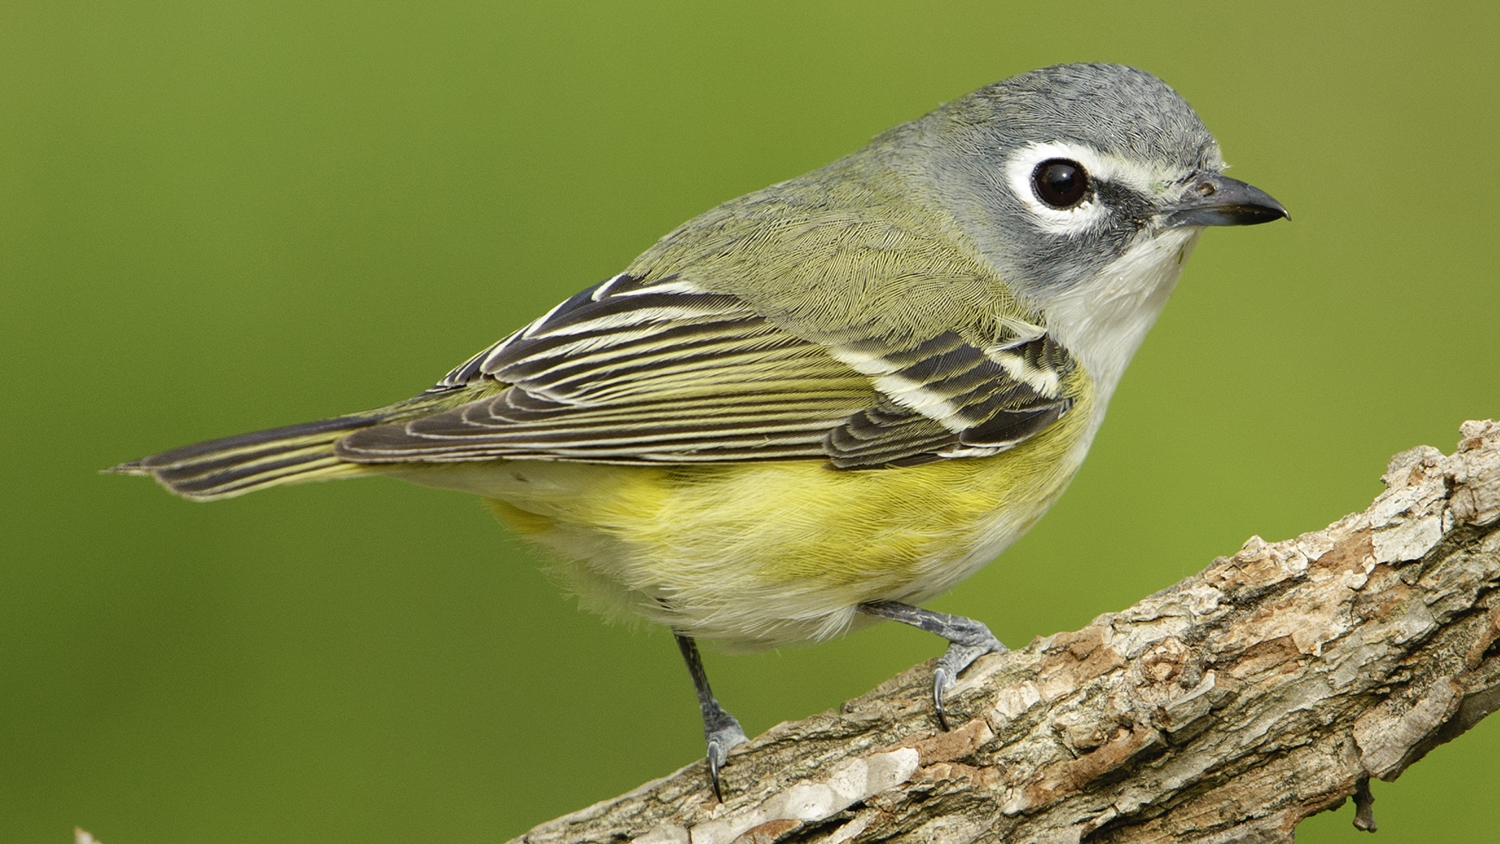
[{"x": 1060, "y": 183}]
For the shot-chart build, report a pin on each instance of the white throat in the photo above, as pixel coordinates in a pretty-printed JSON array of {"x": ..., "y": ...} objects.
[{"x": 1102, "y": 322}]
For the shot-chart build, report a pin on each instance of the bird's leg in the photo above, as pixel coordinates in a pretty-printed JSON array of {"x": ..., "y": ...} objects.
[
  {"x": 968, "y": 640},
  {"x": 720, "y": 728}
]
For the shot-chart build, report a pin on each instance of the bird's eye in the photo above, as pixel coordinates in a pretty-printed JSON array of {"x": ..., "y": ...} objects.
[{"x": 1060, "y": 183}]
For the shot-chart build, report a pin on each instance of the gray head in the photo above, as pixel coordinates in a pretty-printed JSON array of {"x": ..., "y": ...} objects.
[{"x": 1059, "y": 172}]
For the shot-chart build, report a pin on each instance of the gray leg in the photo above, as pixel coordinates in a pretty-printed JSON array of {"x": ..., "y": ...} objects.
[
  {"x": 719, "y": 727},
  {"x": 968, "y": 640}
]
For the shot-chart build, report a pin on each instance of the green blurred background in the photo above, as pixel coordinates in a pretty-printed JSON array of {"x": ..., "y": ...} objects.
[{"x": 222, "y": 216}]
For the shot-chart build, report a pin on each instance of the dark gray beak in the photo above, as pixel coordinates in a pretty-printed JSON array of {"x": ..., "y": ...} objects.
[{"x": 1216, "y": 200}]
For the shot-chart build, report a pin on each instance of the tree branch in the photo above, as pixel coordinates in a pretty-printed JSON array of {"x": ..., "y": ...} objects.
[{"x": 1226, "y": 708}]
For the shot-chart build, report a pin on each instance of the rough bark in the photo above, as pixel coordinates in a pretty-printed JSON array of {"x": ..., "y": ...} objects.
[{"x": 1226, "y": 708}]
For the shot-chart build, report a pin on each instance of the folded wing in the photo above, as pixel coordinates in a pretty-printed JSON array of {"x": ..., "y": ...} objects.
[{"x": 668, "y": 373}]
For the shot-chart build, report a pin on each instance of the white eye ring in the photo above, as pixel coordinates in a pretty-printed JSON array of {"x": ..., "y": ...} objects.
[{"x": 1071, "y": 220}]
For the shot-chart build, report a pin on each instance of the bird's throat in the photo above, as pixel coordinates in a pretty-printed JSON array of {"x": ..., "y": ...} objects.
[{"x": 1102, "y": 322}]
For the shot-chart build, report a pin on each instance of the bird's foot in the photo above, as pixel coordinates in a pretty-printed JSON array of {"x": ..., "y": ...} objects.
[
  {"x": 968, "y": 640},
  {"x": 960, "y": 655},
  {"x": 724, "y": 733}
]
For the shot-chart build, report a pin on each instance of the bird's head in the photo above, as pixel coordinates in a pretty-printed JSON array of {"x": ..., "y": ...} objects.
[{"x": 1059, "y": 173}]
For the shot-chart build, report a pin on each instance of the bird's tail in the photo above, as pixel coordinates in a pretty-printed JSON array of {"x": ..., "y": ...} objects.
[{"x": 244, "y": 463}]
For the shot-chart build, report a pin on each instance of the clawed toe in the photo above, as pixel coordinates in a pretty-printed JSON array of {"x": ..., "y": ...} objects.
[
  {"x": 720, "y": 742},
  {"x": 951, "y": 664},
  {"x": 968, "y": 640}
]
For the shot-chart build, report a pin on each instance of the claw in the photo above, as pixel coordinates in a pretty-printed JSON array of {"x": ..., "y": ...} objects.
[
  {"x": 952, "y": 663},
  {"x": 968, "y": 640},
  {"x": 716, "y": 757},
  {"x": 726, "y": 736},
  {"x": 938, "y": 688}
]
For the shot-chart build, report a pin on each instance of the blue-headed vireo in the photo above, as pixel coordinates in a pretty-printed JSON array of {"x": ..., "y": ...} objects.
[{"x": 827, "y": 401}]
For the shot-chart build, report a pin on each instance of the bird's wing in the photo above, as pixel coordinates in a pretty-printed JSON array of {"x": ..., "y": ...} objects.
[{"x": 669, "y": 373}]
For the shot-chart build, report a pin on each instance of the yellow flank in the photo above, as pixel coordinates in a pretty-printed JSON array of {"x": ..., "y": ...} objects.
[{"x": 763, "y": 554}]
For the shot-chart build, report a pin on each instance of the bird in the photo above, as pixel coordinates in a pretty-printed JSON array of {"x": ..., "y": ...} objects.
[{"x": 821, "y": 404}]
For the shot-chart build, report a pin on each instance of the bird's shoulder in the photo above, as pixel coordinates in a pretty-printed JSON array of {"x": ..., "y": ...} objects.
[{"x": 858, "y": 247}]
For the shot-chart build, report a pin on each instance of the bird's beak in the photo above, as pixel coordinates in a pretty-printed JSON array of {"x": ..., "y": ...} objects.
[{"x": 1216, "y": 200}]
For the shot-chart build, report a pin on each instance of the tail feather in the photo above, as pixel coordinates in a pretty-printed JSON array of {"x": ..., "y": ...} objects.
[{"x": 244, "y": 463}]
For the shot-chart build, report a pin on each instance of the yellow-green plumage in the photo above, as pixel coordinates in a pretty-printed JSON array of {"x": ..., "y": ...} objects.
[
  {"x": 826, "y": 401},
  {"x": 766, "y": 554},
  {"x": 861, "y": 245},
  {"x": 759, "y": 553},
  {"x": 857, "y": 385}
]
